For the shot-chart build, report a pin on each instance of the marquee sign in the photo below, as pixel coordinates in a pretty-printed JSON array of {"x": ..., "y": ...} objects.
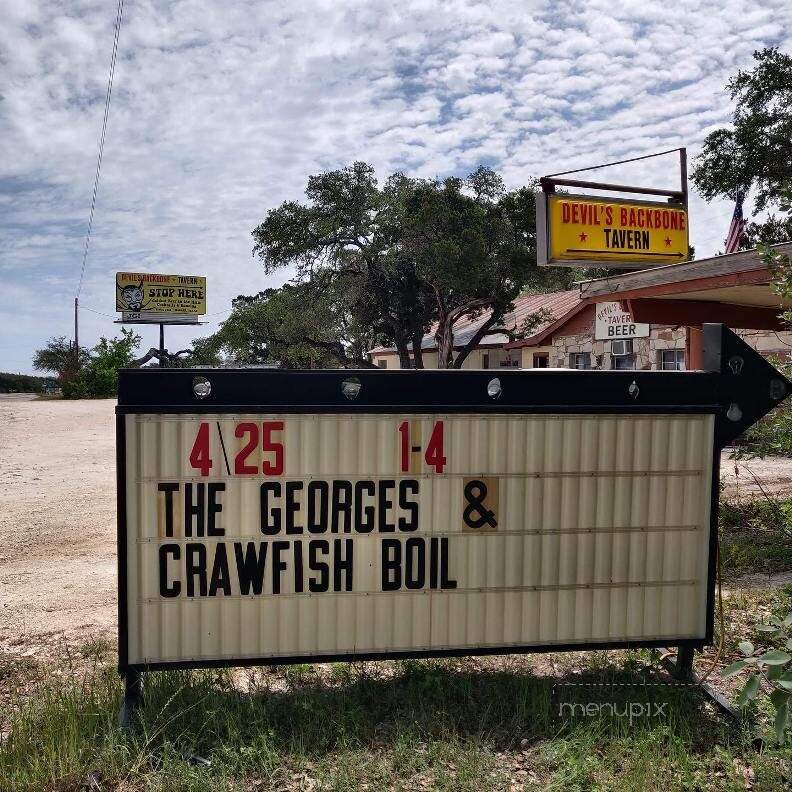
[
  {"x": 138, "y": 294},
  {"x": 270, "y": 516},
  {"x": 575, "y": 230}
]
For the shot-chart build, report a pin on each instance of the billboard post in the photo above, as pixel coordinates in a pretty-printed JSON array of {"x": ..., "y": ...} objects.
[{"x": 269, "y": 516}]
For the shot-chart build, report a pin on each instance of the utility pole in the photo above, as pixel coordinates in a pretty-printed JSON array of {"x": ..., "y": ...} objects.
[{"x": 76, "y": 336}]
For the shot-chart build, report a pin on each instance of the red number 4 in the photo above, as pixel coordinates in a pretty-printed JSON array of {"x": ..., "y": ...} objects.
[
  {"x": 199, "y": 456},
  {"x": 434, "y": 451}
]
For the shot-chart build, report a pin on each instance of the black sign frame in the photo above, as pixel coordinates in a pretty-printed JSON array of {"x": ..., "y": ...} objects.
[{"x": 737, "y": 387}]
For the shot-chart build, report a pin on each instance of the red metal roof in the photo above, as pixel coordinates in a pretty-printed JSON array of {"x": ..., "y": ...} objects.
[{"x": 559, "y": 305}]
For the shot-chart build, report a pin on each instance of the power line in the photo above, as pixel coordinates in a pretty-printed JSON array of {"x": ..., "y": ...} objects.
[
  {"x": 119, "y": 14},
  {"x": 100, "y": 313}
]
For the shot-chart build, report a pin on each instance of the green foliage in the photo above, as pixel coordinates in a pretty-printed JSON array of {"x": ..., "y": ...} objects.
[
  {"x": 772, "y": 434},
  {"x": 755, "y": 536},
  {"x": 756, "y": 151},
  {"x": 23, "y": 383},
  {"x": 382, "y": 264},
  {"x": 301, "y": 325},
  {"x": 771, "y": 666},
  {"x": 98, "y": 376},
  {"x": 59, "y": 357}
]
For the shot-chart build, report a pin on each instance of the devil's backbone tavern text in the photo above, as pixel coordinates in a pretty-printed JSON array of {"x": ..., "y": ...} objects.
[{"x": 332, "y": 534}]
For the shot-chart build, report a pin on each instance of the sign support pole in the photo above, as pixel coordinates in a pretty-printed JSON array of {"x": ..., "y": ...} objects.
[
  {"x": 133, "y": 696},
  {"x": 162, "y": 345}
]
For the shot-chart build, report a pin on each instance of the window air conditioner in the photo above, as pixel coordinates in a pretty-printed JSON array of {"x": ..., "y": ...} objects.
[{"x": 621, "y": 347}]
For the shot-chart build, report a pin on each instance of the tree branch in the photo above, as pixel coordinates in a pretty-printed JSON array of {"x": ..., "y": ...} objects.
[{"x": 486, "y": 328}]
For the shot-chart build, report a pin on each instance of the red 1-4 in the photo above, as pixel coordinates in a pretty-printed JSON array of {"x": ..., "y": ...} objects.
[{"x": 433, "y": 456}]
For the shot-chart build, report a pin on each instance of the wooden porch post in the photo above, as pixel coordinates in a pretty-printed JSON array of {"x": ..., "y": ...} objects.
[{"x": 693, "y": 348}]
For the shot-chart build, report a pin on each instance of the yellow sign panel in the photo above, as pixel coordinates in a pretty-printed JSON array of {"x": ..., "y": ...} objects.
[
  {"x": 146, "y": 293},
  {"x": 588, "y": 229}
]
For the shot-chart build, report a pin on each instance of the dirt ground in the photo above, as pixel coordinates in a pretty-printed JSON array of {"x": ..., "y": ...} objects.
[
  {"x": 57, "y": 522},
  {"x": 57, "y": 519}
]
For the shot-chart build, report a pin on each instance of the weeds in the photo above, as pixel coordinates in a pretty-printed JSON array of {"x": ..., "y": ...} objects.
[
  {"x": 436, "y": 724},
  {"x": 756, "y": 535}
]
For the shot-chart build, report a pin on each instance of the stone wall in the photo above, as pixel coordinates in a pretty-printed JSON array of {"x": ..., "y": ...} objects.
[
  {"x": 776, "y": 344},
  {"x": 768, "y": 343},
  {"x": 645, "y": 350}
]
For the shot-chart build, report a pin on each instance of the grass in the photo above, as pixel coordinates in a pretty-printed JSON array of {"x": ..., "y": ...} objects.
[
  {"x": 447, "y": 725},
  {"x": 756, "y": 536}
]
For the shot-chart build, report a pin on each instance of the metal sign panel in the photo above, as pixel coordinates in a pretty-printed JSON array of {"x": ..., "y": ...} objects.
[
  {"x": 521, "y": 530},
  {"x": 575, "y": 230},
  {"x": 270, "y": 516},
  {"x": 139, "y": 292},
  {"x": 153, "y": 317},
  {"x": 612, "y": 323}
]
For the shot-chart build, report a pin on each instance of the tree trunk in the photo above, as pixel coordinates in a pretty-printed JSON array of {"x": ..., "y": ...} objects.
[
  {"x": 445, "y": 332},
  {"x": 417, "y": 349},
  {"x": 475, "y": 340},
  {"x": 404, "y": 353}
]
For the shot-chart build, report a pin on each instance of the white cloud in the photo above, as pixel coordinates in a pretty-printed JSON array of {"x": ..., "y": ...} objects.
[{"x": 222, "y": 109}]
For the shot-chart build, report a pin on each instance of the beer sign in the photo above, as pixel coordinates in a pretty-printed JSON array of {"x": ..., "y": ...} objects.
[
  {"x": 611, "y": 323},
  {"x": 576, "y": 230}
]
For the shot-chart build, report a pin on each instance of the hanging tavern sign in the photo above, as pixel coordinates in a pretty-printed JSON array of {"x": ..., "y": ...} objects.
[
  {"x": 580, "y": 230},
  {"x": 140, "y": 293},
  {"x": 272, "y": 516}
]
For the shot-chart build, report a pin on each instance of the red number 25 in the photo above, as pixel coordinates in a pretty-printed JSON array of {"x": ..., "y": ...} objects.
[{"x": 272, "y": 466}]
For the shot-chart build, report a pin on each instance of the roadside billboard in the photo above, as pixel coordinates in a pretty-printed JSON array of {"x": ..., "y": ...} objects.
[
  {"x": 575, "y": 230},
  {"x": 142, "y": 293},
  {"x": 273, "y": 516}
]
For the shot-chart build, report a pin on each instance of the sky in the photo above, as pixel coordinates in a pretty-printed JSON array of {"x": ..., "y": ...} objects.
[{"x": 222, "y": 108}]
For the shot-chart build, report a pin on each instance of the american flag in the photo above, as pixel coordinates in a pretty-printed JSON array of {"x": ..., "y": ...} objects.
[{"x": 737, "y": 227}]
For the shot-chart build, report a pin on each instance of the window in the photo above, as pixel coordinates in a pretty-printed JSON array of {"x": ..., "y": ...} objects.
[
  {"x": 671, "y": 359},
  {"x": 579, "y": 360},
  {"x": 485, "y": 360},
  {"x": 382, "y": 363},
  {"x": 622, "y": 362},
  {"x": 541, "y": 360},
  {"x": 622, "y": 357}
]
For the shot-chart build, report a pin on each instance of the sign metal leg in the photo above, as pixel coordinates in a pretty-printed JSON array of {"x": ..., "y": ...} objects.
[
  {"x": 133, "y": 697},
  {"x": 684, "y": 664},
  {"x": 682, "y": 669}
]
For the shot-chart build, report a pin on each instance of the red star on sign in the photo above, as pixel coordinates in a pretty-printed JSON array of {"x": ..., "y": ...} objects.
[
  {"x": 668, "y": 242},
  {"x": 583, "y": 236}
]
